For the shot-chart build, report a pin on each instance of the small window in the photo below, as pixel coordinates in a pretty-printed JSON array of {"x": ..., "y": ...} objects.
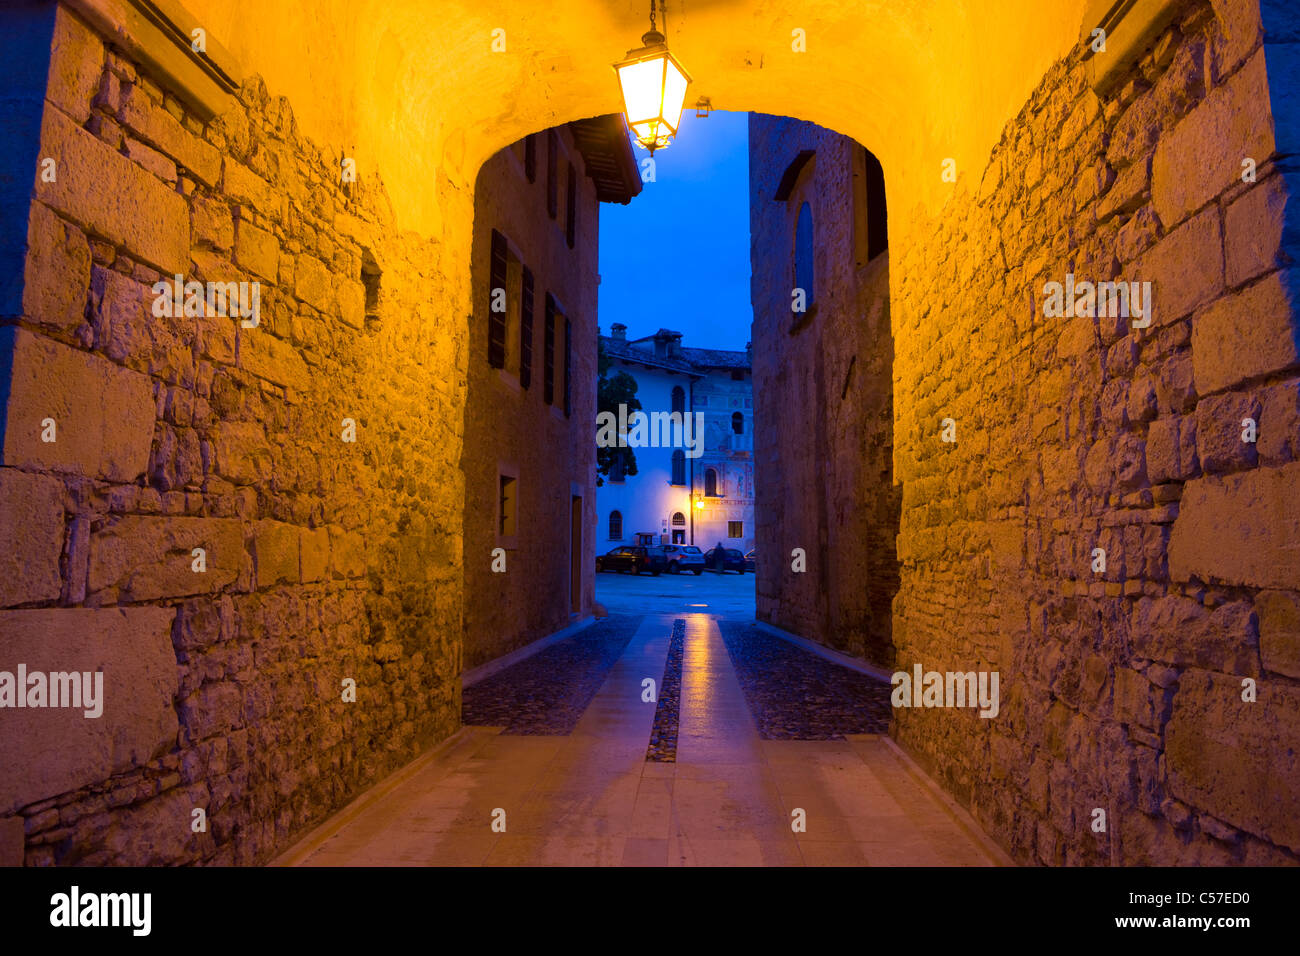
[
  {"x": 616, "y": 526},
  {"x": 710, "y": 483},
  {"x": 505, "y": 305},
  {"x": 507, "y": 502},
  {"x": 552, "y": 173},
  {"x": 738, "y": 423},
  {"x": 571, "y": 207},
  {"x": 735, "y": 529},
  {"x": 530, "y": 157},
  {"x": 803, "y": 255},
  {"x": 679, "y": 520},
  {"x": 679, "y": 467},
  {"x": 679, "y": 399},
  {"x": 737, "y": 375}
]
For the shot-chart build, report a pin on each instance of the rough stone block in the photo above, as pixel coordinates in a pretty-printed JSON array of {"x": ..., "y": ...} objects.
[
  {"x": 155, "y": 125},
  {"x": 1239, "y": 529},
  {"x": 103, "y": 413},
  {"x": 315, "y": 550},
  {"x": 312, "y": 283},
  {"x": 1279, "y": 423},
  {"x": 213, "y": 226},
  {"x": 107, "y": 194},
  {"x": 48, "y": 751},
  {"x": 241, "y": 184},
  {"x": 1279, "y": 631},
  {"x": 1219, "y": 430},
  {"x": 275, "y": 553},
  {"x": 76, "y": 62},
  {"x": 1253, "y": 231},
  {"x": 1185, "y": 268},
  {"x": 265, "y": 356},
  {"x": 31, "y": 537},
  {"x": 347, "y": 553},
  {"x": 1239, "y": 761},
  {"x": 146, "y": 558},
  {"x": 1201, "y": 156},
  {"x": 243, "y": 455},
  {"x": 1178, "y": 630},
  {"x": 351, "y": 302},
  {"x": 257, "y": 249},
  {"x": 152, "y": 160},
  {"x": 57, "y": 274},
  {"x": 1245, "y": 335}
]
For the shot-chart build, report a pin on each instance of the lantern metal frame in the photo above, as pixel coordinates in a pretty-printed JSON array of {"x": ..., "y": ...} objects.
[{"x": 654, "y": 46}]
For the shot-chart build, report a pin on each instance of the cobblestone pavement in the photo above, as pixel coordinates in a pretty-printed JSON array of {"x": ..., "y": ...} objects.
[
  {"x": 587, "y": 795},
  {"x": 548, "y": 692},
  {"x": 796, "y": 695},
  {"x": 663, "y": 736}
]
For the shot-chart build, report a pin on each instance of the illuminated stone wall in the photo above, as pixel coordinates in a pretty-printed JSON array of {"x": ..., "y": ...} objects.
[{"x": 324, "y": 560}]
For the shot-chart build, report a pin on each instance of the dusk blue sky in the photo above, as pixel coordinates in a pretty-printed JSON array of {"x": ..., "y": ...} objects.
[{"x": 677, "y": 256}]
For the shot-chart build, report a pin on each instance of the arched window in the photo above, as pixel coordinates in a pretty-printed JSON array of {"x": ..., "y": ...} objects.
[
  {"x": 616, "y": 526},
  {"x": 803, "y": 254},
  {"x": 679, "y": 467},
  {"x": 710, "y": 482},
  {"x": 679, "y": 399},
  {"x": 738, "y": 423},
  {"x": 679, "y": 520}
]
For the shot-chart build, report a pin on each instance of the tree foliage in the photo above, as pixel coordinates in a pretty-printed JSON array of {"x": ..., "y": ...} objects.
[{"x": 611, "y": 392}]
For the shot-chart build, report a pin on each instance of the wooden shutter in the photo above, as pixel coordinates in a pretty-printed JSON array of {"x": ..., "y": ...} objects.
[
  {"x": 497, "y": 320},
  {"x": 548, "y": 355},
  {"x": 571, "y": 207},
  {"x": 552, "y": 174},
  {"x": 526, "y": 331},
  {"x": 568, "y": 368}
]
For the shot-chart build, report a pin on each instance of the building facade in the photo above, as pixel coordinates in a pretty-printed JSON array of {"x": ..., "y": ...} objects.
[
  {"x": 700, "y": 495},
  {"x": 532, "y": 371},
  {"x": 824, "y": 361}
]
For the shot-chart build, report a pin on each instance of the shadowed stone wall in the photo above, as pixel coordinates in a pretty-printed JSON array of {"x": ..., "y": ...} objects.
[
  {"x": 1121, "y": 690},
  {"x": 508, "y": 426},
  {"x": 325, "y": 559},
  {"x": 824, "y": 397}
]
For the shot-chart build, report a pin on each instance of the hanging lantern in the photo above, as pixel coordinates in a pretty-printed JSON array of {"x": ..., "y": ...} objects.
[{"x": 654, "y": 88}]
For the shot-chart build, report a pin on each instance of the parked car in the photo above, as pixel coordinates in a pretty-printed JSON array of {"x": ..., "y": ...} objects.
[
  {"x": 683, "y": 557},
  {"x": 750, "y": 562},
  {"x": 632, "y": 557},
  {"x": 725, "y": 559}
]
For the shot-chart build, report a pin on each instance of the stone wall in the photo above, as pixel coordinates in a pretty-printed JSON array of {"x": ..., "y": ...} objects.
[
  {"x": 509, "y": 426},
  {"x": 325, "y": 559},
  {"x": 1121, "y": 690},
  {"x": 824, "y": 400}
]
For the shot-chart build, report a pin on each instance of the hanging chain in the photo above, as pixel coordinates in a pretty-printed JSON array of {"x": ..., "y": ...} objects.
[{"x": 652, "y": 16}]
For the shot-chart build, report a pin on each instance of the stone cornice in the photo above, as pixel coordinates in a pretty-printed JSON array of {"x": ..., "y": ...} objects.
[
  {"x": 1131, "y": 27},
  {"x": 158, "y": 33}
]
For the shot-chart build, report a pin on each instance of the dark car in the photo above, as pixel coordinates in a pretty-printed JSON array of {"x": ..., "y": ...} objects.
[
  {"x": 725, "y": 559},
  {"x": 751, "y": 563},
  {"x": 684, "y": 557},
  {"x": 631, "y": 557}
]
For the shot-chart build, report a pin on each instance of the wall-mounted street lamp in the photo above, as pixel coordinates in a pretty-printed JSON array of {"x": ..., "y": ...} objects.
[{"x": 654, "y": 89}]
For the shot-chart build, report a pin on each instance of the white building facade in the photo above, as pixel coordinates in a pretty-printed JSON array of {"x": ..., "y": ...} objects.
[{"x": 675, "y": 498}]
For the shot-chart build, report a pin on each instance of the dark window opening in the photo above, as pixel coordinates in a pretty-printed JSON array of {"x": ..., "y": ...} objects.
[
  {"x": 526, "y": 331},
  {"x": 803, "y": 255},
  {"x": 679, "y": 520},
  {"x": 710, "y": 483},
  {"x": 568, "y": 368},
  {"x": 617, "y": 470},
  {"x": 496, "y": 295},
  {"x": 877, "y": 225},
  {"x": 506, "y": 513},
  {"x": 738, "y": 423},
  {"x": 370, "y": 277},
  {"x": 737, "y": 375},
  {"x": 571, "y": 207},
  {"x": 548, "y": 353},
  {"x": 552, "y": 174},
  {"x": 679, "y": 399},
  {"x": 679, "y": 467},
  {"x": 615, "y": 526}
]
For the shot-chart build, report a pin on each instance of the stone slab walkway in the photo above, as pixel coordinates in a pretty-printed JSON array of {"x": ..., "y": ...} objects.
[{"x": 591, "y": 798}]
